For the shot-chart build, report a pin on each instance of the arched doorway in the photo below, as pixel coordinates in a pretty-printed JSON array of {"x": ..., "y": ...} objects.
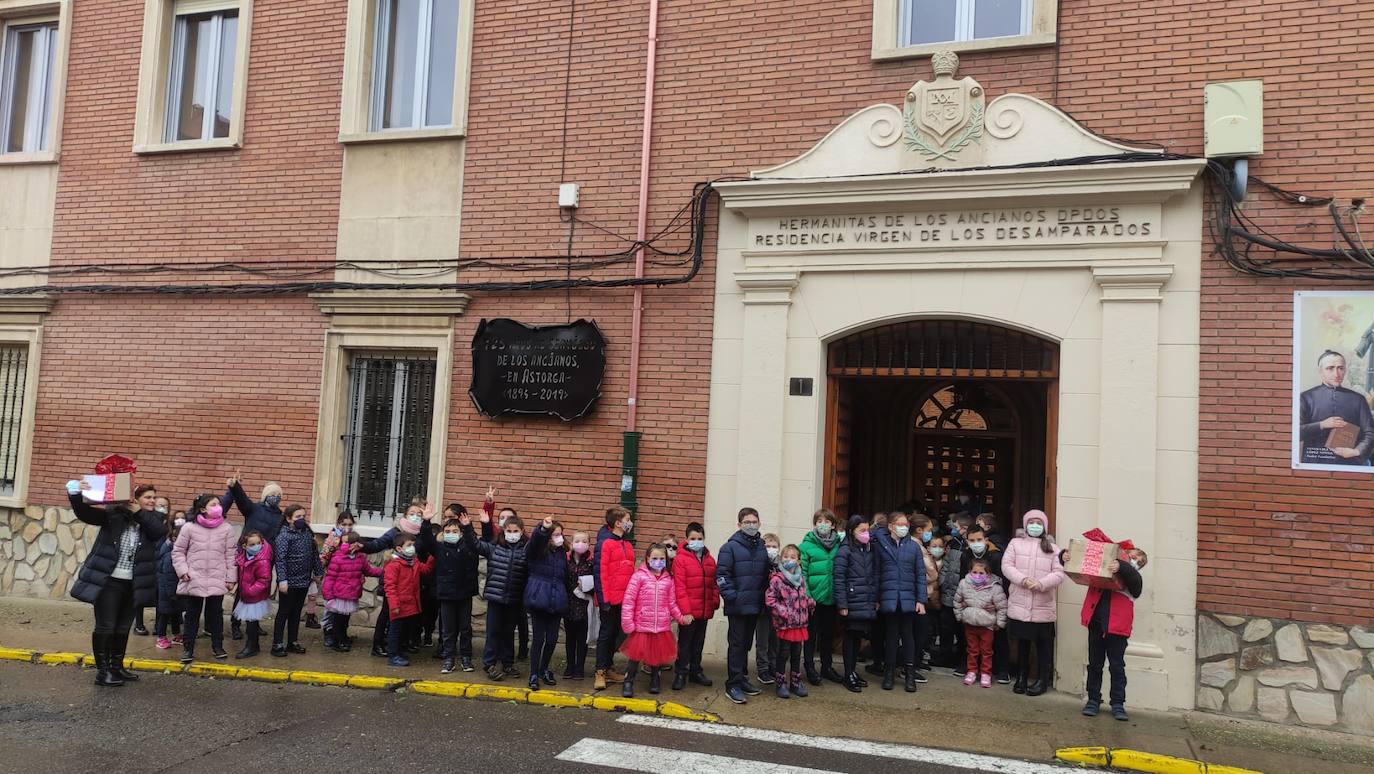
[{"x": 917, "y": 406}]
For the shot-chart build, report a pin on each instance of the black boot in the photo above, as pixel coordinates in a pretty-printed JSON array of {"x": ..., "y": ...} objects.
[
  {"x": 679, "y": 681},
  {"x": 653, "y": 680},
  {"x": 889, "y": 677},
  {"x": 250, "y": 647},
  {"x": 102, "y": 662},
  {"x": 1022, "y": 666},
  {"x": 910, "y": 678},
  {"x": 235, "y": 629},
  {"x": 117, "y": 645},
  {"x": 1046, "y": 677},
  {"x": 812, "y": 676},
  {"x": 851, "y": 681},
  {"x": 628, "y": 691}
]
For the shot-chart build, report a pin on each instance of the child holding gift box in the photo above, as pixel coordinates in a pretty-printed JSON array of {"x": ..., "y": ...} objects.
[{"x": 1108, "y": 615}]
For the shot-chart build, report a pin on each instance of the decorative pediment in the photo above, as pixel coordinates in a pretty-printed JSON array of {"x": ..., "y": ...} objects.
[{"x": 948, "y": 124}]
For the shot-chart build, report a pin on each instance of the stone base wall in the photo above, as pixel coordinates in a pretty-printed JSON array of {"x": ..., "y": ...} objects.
[{"x": 1287, "y": 672}]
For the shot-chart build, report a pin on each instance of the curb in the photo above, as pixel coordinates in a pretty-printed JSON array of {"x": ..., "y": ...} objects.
[
  {"x": 479, "y": 691},
  {"x": 1135, "y": 760}
]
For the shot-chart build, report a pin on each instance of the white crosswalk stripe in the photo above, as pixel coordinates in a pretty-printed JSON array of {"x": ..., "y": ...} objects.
[
  {"x": 660, "y": 760},
  {"x": 956, "y": 760}
]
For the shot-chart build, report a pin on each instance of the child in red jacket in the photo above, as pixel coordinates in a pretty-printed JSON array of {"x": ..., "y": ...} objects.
[
  {"x": 694, "y": 579},
  {"x": 1108, "y": 615},
  {"x": 790, "y": 609},
  {"x": 402, "y": 577}
]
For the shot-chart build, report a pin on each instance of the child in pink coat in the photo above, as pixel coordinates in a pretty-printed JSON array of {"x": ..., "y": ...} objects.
[
  {"x": 254, "y": 561},
  {"x": 343, "y": 586},
  {"x": 646, "y": 615},
  {"x": 1031, "y": 565},
  {"x": 204, "y": 560},
  {"x": 789, "y": 606}
]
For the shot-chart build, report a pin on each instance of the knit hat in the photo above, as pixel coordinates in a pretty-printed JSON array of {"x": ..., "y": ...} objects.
[
  {"x": 269, "y": 489},
  {"x": 1035, "y": 516}
]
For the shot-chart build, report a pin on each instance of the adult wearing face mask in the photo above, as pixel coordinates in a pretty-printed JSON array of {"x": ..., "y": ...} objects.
[
  {"x": 902, "y": 598},
  {"x": 297, "y": 563},
  {"x": 204, "y": 561},
  {"x": 742, "y": 577},
  {"x": 856, "y": 595},
  {"x": 818, "y": 550},
  {"x": 1033, "y": 568},
  {"x": 613, "y": 564},
  {"x": 119, "y": 572},
  {"x": 265, "y": 516},
  {"x": 694, "y": 579}
]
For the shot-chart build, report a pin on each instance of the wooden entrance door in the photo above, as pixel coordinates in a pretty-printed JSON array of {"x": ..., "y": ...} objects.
[{"x": 943, "y": 459}]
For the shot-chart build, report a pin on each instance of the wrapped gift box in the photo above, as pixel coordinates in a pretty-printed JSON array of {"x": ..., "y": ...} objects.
[
  {"x": 109, "y": 488},
  {"x": 1088, "y": 561}
]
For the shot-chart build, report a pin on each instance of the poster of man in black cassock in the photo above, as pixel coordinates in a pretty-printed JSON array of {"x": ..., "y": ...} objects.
[{"x": 1333, "y": 380}]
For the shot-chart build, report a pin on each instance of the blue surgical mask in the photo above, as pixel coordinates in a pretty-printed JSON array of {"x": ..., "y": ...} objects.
[
  {"x": 978, "y": 548},
  {"x": 452, "y": 537},
  {"x": 657, "y": 565},
  {"x": 789, "y": 564},
  {"x": 252, "y": 551},
  {"x": 937, "y": 552},
  {"x": 408, "y": 551},
  {"x": 1035, "y": 529},
  {"x": 696, "y": 545},
  {"x": 926, "y": 536},
  {"x": 902, "y": 531}
]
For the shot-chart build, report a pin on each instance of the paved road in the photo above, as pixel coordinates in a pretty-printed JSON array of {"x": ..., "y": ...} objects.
[{"x": 53, "y": 719}]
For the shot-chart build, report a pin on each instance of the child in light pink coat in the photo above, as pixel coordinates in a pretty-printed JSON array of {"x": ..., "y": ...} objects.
[
  {"x": 204, "y": 560},
  {"x": 1031, "y": 565}
]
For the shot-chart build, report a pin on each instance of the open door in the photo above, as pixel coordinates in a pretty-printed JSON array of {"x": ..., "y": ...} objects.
[{"x": 839, "y": 431}]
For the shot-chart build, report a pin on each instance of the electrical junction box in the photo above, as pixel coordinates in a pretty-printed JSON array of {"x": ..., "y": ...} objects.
[
  {"x": 1233, "y": 114},
  {"x": 568, "y": 195}
]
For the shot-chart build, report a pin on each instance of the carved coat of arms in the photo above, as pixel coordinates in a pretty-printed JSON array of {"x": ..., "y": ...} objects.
[{"x": 944, "y": 116}]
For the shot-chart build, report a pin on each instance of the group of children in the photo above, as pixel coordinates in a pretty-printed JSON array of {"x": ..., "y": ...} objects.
[{"x": 833, "y": 582}]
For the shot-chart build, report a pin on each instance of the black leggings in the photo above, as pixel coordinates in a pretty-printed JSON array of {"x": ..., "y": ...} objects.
[
  {"x": 1044, "y": 657},
  {"x": 338, "y": 626},
  {"x": 213, "y": 608},
  {"x": 575, "y": 644},
  {"x": 821, "y": 637},
  {"x": 545, "y": 639},
  {"x": 789, "y": 653},
  {"x": 289, "y": 607},
  {"x": 853, "y": 641},
  {"x": 608, "y": 636},
  {"x": 379, "y": 631},
  {"x": 163, "y": 621},
  {"x": 114, "y": 608},
  {"x": 691, "y": 640},
  {"x": 899, "y": 628},
  {"x": 500, "y": 644}
]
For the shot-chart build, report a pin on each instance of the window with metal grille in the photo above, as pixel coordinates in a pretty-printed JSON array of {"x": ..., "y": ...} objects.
[
  {"x": 14, "y": 361},
  {"x": 386, "y": 448}
]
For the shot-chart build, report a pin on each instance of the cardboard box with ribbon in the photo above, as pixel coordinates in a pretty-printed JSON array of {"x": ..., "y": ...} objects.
[{"x": 113, "y": 481}]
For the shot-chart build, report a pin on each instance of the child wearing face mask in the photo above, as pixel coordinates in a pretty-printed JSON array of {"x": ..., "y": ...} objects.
[
  {"x": 582, "y": 582},
  {"x": 402, "y": 575},
  {"x": 507, "y": 571},
  {"x": 789, "y": 606},
  {"x": 694, "y": 580},
  {"x": 613, "y": 564},
  {"x": 455, "y": 555},
  {"x": 343, "y": 525},
  {"x": 162, "y": 506},
  {"x": 765, "y": 636},
  {"x": 254, "y": 561},
  {"x": 407, "y": 524},
  {"x": 546, "y": 596},
  {"x": 818, "y": 550},
  {"x": 1108, "y": 615},
  {"x": 297, "y": 563},
  {"x": 981, "y": 606},
  {"x": 976, "y": 548},
  {"x": 343, "y": 587},
  {"x": 168, "y": 603},
  {"x": 646, "y": 615},
  {"x": 952, "y": 650},
  {"x": 935, "y": 555},
  {"x": 203, "y": 557},
  {"x": 856, "y": 596}
]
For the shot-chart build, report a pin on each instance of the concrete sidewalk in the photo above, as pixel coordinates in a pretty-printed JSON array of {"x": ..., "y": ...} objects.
[{"x": 944, "y": 713}]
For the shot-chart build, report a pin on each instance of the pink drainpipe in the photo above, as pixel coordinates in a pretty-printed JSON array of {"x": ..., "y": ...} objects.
[{"x": 641, "y": 231}]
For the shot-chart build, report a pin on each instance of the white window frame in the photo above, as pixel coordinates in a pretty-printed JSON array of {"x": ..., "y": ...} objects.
[
  {"x": 24, "y": 13},
  {"x": 892, "y": 23},
  {"x": 360, "y": 111},
  {"x": 27, "y": 331},
  {"x": 36, "y": 132},
  {"x": 176, "y": 72},
  {"x": 155, "y": 75}
]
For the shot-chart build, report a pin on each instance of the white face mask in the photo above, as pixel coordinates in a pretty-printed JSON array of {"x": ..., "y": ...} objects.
[
  {"x": 414, "y": 518},
  {"x": 772, "y": 554},
  {"x": 558, "y": 540},
  {"x": 512, "y": 537},
  {"x": 1135, "y": 564},
  {"x": 179, "y": 522}
]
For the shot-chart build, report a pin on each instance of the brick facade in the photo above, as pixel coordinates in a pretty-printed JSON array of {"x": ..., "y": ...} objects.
[{"x": 207, "y": 384}]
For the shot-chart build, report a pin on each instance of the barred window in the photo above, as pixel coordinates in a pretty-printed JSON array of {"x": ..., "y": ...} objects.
[
  {"x": 14, "y": 360},
  {"x": 387, "y": 444}
]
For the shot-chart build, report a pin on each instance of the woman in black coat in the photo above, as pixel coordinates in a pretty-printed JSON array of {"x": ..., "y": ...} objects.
[
  {"x": 856, "y": 595},
  {"x": 120, "y": 573}
]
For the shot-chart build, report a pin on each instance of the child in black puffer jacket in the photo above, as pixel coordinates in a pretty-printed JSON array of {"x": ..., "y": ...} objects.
[{"x": 168, "y": 603}]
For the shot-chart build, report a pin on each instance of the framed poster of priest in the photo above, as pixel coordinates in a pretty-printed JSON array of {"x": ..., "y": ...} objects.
[{"x": 1333, "y": 380}]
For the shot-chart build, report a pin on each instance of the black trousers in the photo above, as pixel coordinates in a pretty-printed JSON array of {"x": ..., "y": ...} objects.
[
  {"x": 1109, "y": 648},
  {"x": 952, "y": 640},
  {"x": 114, "y": 608},
  {"x": 338, "y": 626},
  {"x": 608, "y": 636},
  {"x": 575, "y": 644},
  {"x": 691, "y": 641},
  {"x": 289, "y": 606},
  {"x": 739, "y": 636},
  {"x": 853, "y": 641},
  {"x": 1001, "y": 652},
  {"x": 522, "y": 626},
  {"x": 213, "y": 610},
  {"x": 455, "y": 628},
  {"x": 379, "y": 631},
  {"x": 429, "y": 614},
  {"x": 765, "y": 644},
  {"x": 899, "y": 630},
  {"x": 500, "y": 644},
  {"x": 877, "y": 640},
  {"x": 788, "y": 660},
  {"x": 821, "y": 636},
  {"x": 920, "y": 631},
  {"x": 163, "y": 621},
  {"x": 545, "y": 626},
  {"x": 398, "y": 632}
]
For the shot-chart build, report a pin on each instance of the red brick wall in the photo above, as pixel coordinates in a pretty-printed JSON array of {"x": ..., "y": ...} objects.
[{"x": 740, "y": 86}]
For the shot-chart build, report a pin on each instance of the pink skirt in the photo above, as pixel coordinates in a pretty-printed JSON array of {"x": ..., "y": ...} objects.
[{"x": 651, "y": 649}]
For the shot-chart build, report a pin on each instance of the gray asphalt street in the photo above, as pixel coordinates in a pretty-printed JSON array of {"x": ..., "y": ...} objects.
[{"x": 53, "y": 719}]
